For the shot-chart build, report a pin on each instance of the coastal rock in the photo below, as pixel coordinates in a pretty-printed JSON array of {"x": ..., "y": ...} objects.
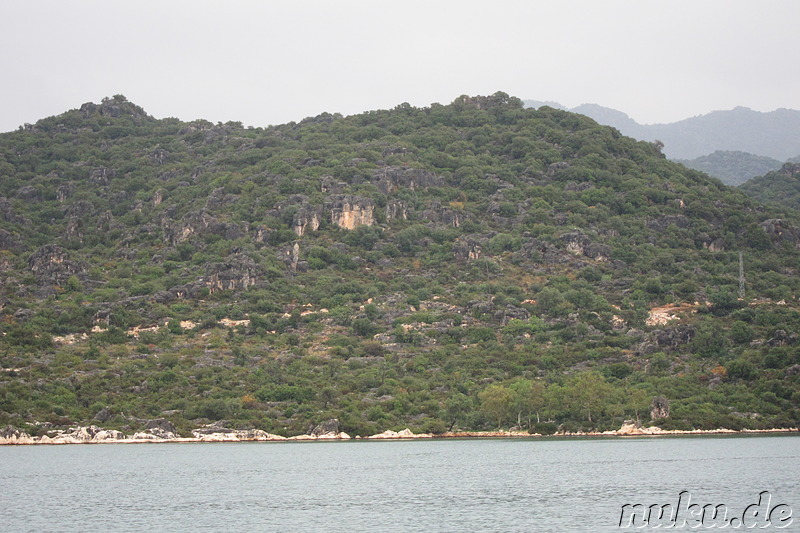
[
  {"x": 330, "y": 426},
  {"x": 12, "y": 435},
  {"x": 403, "y": 434},
  {"x": 633, "y": 428},
  {"x": 214, "y": 433}
]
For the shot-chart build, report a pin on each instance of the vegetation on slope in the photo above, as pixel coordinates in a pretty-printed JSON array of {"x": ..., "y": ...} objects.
[
  {"x": 473, "y": 265},
  {"x": 779, "y": 187}
]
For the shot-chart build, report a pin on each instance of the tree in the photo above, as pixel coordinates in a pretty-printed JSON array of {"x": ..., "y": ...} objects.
[
  {"x": 587, "y": 393},
  {"x": 496, "y": 403},
  {"x": 528, "y": 399}
]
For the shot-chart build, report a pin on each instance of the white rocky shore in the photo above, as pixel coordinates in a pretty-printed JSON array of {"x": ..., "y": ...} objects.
[{"x": 217, "y": 433}]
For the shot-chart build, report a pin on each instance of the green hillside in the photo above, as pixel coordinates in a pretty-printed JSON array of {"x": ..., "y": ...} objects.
[
  {"x": 732, "y": 168},
  {"x": 473, "y": 265},
  {"x": 779, "y": 187}
]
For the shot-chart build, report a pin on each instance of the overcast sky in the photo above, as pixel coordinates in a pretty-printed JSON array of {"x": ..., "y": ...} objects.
[{"x": 267, "y": 62}]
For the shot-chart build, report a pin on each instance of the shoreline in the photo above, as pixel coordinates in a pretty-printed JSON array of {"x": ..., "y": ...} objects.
[{"x": 94, "y": 435}]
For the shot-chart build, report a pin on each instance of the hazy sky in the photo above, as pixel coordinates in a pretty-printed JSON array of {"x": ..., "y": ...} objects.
[{"x": 268, "y": 62}]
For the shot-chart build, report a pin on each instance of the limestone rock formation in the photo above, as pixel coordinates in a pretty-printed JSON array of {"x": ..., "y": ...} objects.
[
  {"x": 781, "y": 231},
  {"x": 199, "y": 223},
  {"x": 349, "y": 211},
  {"x": 391, "y": 179},
  {"x": 51, "y": 265},
  {"x": 12, "y": 435},
  {"x": 326, "y": 428},
  {"x": 580, "y": 244},
  {"x": 659, "y": 408},
  {"x": 467, "y": 248},
  {"x": 306, "y": 218},
  {"x": 397, "y": 210},
  {"x": 238, "y": 272}
]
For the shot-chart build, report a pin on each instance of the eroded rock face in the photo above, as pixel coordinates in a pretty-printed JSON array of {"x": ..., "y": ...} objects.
[
  {"x": 51, "y": 264},
  {"x": 444, "y": 215},
  {"x": 781, "y": 231},
  {"x": 396, "y": 210},
  {"x": 307, "y": 218},
  {"x": 349, "y": 212},
  {"x": 662, "y": 223},
  {"x": 329, "y": 427},
  {"x": 468, "y": 249},
  {"x": 580, "y": 244},
  {"x": 391, "y": 179},
  {"x": 659, "y": 408},
  {"x": 238, "y": 272},
  {"x": 199, "y": 223},
  {"x": 102, "y": 175},
  {"x": 217, "y": 433},
  {"x": 12, "y": 435},
  {"x": 65, "y": 192}
]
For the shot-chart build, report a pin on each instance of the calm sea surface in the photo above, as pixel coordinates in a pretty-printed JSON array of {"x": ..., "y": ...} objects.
[{"x": 425, "y": 485}]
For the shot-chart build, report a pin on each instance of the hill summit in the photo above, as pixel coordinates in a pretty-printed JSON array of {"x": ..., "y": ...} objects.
[{"x": 473, "y": 265}]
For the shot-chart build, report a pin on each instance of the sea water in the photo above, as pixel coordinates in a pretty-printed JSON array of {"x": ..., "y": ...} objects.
[{"x": 537, "y": 484}]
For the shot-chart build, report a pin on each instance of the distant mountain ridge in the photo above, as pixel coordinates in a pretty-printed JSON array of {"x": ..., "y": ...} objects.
[
  {"x": 733, "y": 167},
  {"x": 774, "y": 134}
]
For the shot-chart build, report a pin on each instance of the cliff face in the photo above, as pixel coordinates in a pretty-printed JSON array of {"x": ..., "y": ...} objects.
[{"x": 349, "y": 212}]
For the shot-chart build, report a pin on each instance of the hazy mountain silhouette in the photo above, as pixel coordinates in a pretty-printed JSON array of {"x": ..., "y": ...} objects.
[{"x": 774, "y": 134}]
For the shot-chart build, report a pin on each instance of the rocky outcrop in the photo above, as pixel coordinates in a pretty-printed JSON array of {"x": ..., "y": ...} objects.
[
  {"x": 580, "y": 244},
  {"x": 12, "y": 435},
  {"x": 290, "y": 255},
  {"x": 781, "y": 232},
  {"x": 65, "y": 192},
  {"x": 391, "y": 179},
  {"x": 329, "y": 427},
  {"x": 306, "y": 218},
  {"x": 102, "y": 175},
  {"x": 396, "y": 210},
  {"x": 466, "y": 249},
  {"x": 349, "y": 212},
  {"x": 161, "y": 428},
  {"x": 238, "y": 272},
  {"x": 403, "y": 434},
  {"x": 448, "y": 216},
  {"x": 51, "y": 265},
  {"x": 217, "y": 432},
  {"x": 662, "y": 223},
  {"x": 199, "y": 223},
  {"x": 659, "y": 408}
]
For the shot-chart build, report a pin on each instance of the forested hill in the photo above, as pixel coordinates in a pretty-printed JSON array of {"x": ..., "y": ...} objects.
[
  {"x": 473, "y": 265},
  {"x": 780, "y": 187}
]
